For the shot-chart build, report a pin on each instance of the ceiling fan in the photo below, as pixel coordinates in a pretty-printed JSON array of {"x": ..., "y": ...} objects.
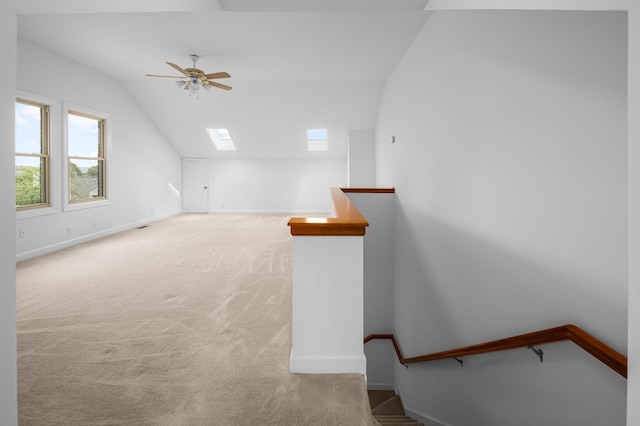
[{"x": 193, "y": 78}]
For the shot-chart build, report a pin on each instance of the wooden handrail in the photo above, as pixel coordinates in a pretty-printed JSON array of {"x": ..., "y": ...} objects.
[
  {"x": 347, "y": 221},
  {"x": 607, "y": 355},
  {"x": 369, "y": 190},
  {"x": 391, "y": 337}
]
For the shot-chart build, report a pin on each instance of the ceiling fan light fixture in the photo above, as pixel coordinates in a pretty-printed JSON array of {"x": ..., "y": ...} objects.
[
  {"x": 194, "y": 78},
  {"x": 194, "y": 87}
]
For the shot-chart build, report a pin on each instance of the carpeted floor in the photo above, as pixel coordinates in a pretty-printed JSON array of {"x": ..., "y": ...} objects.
[{"x": 184, "y": 322}]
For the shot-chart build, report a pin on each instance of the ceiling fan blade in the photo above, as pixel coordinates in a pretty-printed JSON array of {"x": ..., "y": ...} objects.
[
  {"x": 178, "y": 68},
  {"x": 218, "y": 85},
  {"x": 218, "y": 75},
  {"x": 165, "y": 76}
]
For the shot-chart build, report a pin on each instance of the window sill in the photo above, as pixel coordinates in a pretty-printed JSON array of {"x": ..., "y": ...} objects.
[
  {"x": 35, "y": 212},
  {"x": 86, "y": 205}
]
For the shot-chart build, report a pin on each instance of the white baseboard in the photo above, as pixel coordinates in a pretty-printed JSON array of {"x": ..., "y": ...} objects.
[
  {"x": 328, "y": 365},
  {"x": 278, "y": 212},
  {"x": 421, "y": 417},
  {"x": 89, "y": 237}
]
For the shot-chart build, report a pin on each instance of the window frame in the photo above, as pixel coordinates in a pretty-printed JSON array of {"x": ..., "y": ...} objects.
[
  {"x": 103, "y": 155},
  {"x": 322, "y": 144},
  {"x": 222, "y": 144},
  {"x": 48, "y": 130}
]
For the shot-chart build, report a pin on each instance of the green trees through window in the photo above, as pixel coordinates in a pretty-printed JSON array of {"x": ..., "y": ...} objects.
[
  {"x": 28, "y": 186},
  {"x": 32, "y": 154},
  {"x": 86, "y": 147},
  {"x": 85, "y": 142}
]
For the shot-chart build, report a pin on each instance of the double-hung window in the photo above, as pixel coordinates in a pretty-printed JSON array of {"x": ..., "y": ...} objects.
[
  {"x": 32, "y": 161},
  {"x": 86, "y": 157}
]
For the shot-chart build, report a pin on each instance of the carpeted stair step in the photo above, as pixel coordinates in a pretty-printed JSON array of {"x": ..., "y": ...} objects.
[
  {"x": 377, "y": 397},
  {"x": 387, "y": 409},
  {"x": 395, "y": 419},
  {"x": 392, "y": 406}
]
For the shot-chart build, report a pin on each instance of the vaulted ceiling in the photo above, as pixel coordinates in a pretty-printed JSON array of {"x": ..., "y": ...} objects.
[{"x": 294, "y": 64}]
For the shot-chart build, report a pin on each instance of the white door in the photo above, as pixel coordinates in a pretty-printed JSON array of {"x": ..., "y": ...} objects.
[{"x": 195, "y": 185}]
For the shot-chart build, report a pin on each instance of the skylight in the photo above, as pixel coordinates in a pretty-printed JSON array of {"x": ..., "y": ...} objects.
[
  {"x": 317, "y": 140},
  {"x": 221, "y": 139}
]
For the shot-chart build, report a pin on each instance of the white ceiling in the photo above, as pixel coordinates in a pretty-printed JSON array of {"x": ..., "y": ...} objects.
[
  {"x": 281, "y": 44},
  {"x": 64, "y": 7},
  {"x": 251, "y": 46}
]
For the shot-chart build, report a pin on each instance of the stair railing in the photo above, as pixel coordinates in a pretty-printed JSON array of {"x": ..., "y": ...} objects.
[{"x": 604, "y": 353}]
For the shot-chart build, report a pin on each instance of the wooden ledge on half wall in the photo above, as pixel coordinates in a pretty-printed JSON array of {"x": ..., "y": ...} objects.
[{"x": 347, "y": 221}]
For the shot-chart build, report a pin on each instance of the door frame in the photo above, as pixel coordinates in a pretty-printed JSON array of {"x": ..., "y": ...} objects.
[{"x": 204, "y": 161}]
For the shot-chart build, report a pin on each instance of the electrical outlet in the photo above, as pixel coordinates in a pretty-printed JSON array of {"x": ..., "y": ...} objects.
[
  {"x": 23, "y": 232},
  {"x": 69, "y": 230},
  {"x": 153, "y": 212},
  {"x": 94, "y": 224}
]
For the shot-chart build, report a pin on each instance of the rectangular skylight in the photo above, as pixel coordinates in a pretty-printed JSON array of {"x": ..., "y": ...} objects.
[
  {"x": 317, "y": 140},
  {"x": 221, "y": 139}
]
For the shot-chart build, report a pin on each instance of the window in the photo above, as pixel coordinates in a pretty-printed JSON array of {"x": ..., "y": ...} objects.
[
  {"x": 221, "y": 139},
  {"x": 32, "y": 154},
  {"x": 317, "y": 140},
  {"x": 86, "y": 157}
]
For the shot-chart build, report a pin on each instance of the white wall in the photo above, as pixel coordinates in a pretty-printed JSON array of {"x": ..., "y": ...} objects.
[
  {"x": 378, "y": 285},
  {"x": 143, "y": 166},
  {"x": 633, "y": 387},
  {"x": 327, "y": 305},
  {"x": 361, "y": 159},
  {"x": 8, "y": 384},
  {"x": 510, "y": 168},
  {"x": 274, "y": 186}
]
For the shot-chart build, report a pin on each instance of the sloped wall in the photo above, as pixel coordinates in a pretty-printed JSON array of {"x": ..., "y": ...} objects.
[
  {"x": 510, "y": 174},
  {"x": 145, "y": 169}
]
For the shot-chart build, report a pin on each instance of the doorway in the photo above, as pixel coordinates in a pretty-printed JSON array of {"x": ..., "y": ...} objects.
[{"x": 195, "y": 185}]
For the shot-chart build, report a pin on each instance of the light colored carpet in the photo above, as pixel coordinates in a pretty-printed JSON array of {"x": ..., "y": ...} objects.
[{"x": 184, "y": 322}]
